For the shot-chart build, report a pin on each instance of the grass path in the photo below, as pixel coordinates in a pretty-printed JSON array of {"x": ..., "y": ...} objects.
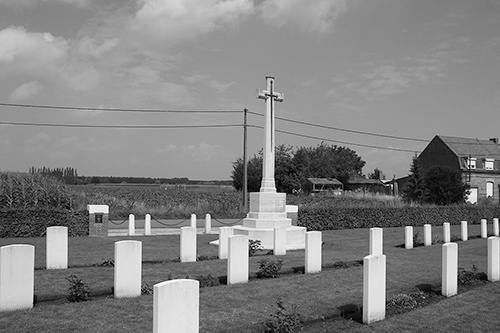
[{"x": 243, "y": 308}]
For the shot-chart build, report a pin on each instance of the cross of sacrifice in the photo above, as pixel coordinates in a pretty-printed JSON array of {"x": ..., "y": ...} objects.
[{"x": 270, "y": 96}]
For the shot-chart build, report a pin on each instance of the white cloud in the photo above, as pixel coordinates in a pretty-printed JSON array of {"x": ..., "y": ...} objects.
[
  {"x": 173, "y": 21},
  {"x": 26, "y": 91},
  {"x": 206, "y": 80},
  {"x": 309, "y": 15},
  {"x": 43, "y": 56},
  {"x": 33, "y": 3},
  {"x": 89, "y": 46}
]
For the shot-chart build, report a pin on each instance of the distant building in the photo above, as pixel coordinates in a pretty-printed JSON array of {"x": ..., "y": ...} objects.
[
  {"x": 317, "y": 185},
  {"x": 477, "y": 160},
  {"x": 358, "y": 183}
]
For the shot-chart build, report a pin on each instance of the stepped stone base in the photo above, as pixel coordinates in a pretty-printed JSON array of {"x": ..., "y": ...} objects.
[{"x": 295, "y": 236}]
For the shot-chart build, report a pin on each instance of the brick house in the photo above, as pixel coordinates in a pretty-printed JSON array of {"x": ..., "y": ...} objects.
[{"x": 477, "y": 160}]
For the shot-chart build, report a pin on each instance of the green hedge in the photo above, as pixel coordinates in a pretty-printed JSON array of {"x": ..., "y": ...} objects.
[
  {"x": 333, "y": 218},
  {"x": 33, "y": 223}
]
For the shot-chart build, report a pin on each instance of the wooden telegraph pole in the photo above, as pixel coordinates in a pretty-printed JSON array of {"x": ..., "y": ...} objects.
[{"x": 245, "y": 162}]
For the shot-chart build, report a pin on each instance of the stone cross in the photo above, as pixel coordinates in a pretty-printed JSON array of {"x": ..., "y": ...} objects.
[{"x": 270, "y": 96}]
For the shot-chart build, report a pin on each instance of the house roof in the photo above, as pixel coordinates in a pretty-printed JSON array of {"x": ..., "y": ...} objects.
[
  {"x": 324, "y": 181},
  {"x": 463, "y": 147},
  {"x": 357, "y": 179}
]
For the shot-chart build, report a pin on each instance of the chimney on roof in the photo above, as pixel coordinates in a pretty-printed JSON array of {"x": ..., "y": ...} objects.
[{"x": 495, "y": 140}]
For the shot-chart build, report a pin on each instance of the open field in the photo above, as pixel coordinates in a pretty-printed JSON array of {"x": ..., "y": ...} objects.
[{"x": 244, "y": 308}]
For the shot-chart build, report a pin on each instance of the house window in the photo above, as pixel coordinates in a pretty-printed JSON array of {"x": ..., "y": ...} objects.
[
  {"x": 488, "y": 163},
  {"x": 489, "y": 189},
  {"x": 471, "y": 162}
]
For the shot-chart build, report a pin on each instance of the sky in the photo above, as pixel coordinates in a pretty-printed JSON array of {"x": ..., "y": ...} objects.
[{"x": 362, "y": 69}]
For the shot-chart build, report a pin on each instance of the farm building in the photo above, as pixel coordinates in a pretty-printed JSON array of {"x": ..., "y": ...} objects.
[
  {"x": 477, "y": 160},
  {"x": 317, "y": 185}
]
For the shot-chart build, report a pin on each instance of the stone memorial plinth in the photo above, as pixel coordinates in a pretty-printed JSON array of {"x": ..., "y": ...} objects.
[{"x": 98, "y": 220}]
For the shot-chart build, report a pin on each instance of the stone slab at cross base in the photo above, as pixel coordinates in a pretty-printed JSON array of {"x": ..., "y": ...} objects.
[{"x": 268, "y": 211}]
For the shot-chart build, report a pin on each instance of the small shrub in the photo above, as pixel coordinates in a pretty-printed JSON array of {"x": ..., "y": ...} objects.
[
  {"x": 146, "y": 289},
  {"x": 78, "y": 290},
  {"x": 283, "y": 321},
  {"x": 416, "y": 240},
  {"x": 269, "y": 268},
  {"x": 466, "y": 278},
  {"x": 254, "y": 245},
  {"x": 208, "y": 281},
  {"x": 404, "y": 301},
  {"x": 109, "y": 262}
]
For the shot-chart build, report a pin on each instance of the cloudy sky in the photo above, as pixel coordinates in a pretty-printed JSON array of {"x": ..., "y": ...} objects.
[{"x": 402, "y": 68}]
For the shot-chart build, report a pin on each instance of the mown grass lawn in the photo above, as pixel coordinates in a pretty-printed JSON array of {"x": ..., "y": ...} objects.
[{"x": 245, "y": 307}]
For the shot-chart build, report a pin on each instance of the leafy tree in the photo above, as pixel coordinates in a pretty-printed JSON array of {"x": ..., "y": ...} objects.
[
  {"x": 376, "y": 174},
  {"x": 414, "y": 190},
  {"x": 254, "y": 173},
  {"x": 444, "y": 186}
]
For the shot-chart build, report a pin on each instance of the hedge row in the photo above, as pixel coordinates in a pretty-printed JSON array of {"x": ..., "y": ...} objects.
[
  {"x": 33, "y": 223},
  {"x": 333, "y": 218}
]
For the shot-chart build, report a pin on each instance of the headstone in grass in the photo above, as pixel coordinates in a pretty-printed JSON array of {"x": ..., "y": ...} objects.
[
  {"x": 224, "y": 234},
  {"x": 465, "y": 233},
  {"x": 484, "y": 228},
  {"x": 446, "y": 232},
  {"x": 188, "y": 244},
  {"x": 128, "y": 269},
  {"x": 449, "y": 274},
  {"x": 409, "y": 237},
  {"x": 374, "y": 288},
  {"x": 376, "y": 241},
  {"x": 176, "y": 306},
  {"x": 279, "y": 248},
  {"x": 57, "y": 248},
  {"x": 427, "y": 235},
  {"x": 208, "y": 224},
  {"x": 193, "y": 220},
  {"x": 17, "y": 273},
  {"x": 237, "y": 260},
  {"x": 493, "y": 259},
  {"x": 147, "y": 225},
  {"x": 495, "y": 227},
  {"x": 131, "y": 225},
  {"x": 313, "y": 252}
]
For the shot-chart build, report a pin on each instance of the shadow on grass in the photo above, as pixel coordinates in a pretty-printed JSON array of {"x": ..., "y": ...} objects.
[{"x": 351, "y": 312}]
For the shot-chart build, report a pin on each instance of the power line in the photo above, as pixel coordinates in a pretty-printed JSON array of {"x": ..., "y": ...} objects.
[
  {"x": 114, "y": 109},
  {"x": 337, "y": 141},
  {"x": 119, "y": 126},
  {"x": 344, "y": 129}
]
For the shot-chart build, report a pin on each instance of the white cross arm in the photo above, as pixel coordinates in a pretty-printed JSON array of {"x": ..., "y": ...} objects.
[
  {"x": 262, "y": 94},
  {"x": 279, "y": 97}
]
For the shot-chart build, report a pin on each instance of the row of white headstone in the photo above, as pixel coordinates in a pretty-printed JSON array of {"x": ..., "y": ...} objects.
[
  {"x": 374, "y": 271},
  {"x": 447, "y": 234},
  {"x": 147, "y": 224}
]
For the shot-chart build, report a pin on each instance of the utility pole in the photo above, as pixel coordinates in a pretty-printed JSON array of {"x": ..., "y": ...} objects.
[{"x": 245, "y": 162}]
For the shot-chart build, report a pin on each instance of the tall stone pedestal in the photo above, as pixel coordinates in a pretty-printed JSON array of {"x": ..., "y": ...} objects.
[
  {"x": 98, "y": 220},
  {"x": 267, "y": 211}
]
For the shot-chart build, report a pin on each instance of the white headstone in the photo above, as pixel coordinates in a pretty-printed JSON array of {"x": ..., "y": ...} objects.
[
  {"x": 224, "y": 234},
  {"x": 208, "y": 224},
  {"x": 128, "y": 269},
  {"x": 237, "y": 260},
  {"x": 427, "y": 235},
  {"x": 376, "y": 241},
  {"x": 465, "y": 233},
  {"x": 374, "y": 277},
  {"x": 495, "y": 227},
  {"x": 176, "y": 306},
  {"x": 313, "y": 252},
  {"x": 193, "y": 220},
  {"x": 449, "y": 277},
  {"x": 57, "y": 248},
  {"x": 17, "y": 275},
  {"x": 188, "y": 244},
  {"x": 484, "y": 228},
  {"x": 279, "y": 248},
  {"x": 493, "y": 259},
  {"x": 446, "y": 232},
  {"x": 131, "y": 225},
  {"x": 408, "y": 237},
  {"x": 147, "y": 225}
]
